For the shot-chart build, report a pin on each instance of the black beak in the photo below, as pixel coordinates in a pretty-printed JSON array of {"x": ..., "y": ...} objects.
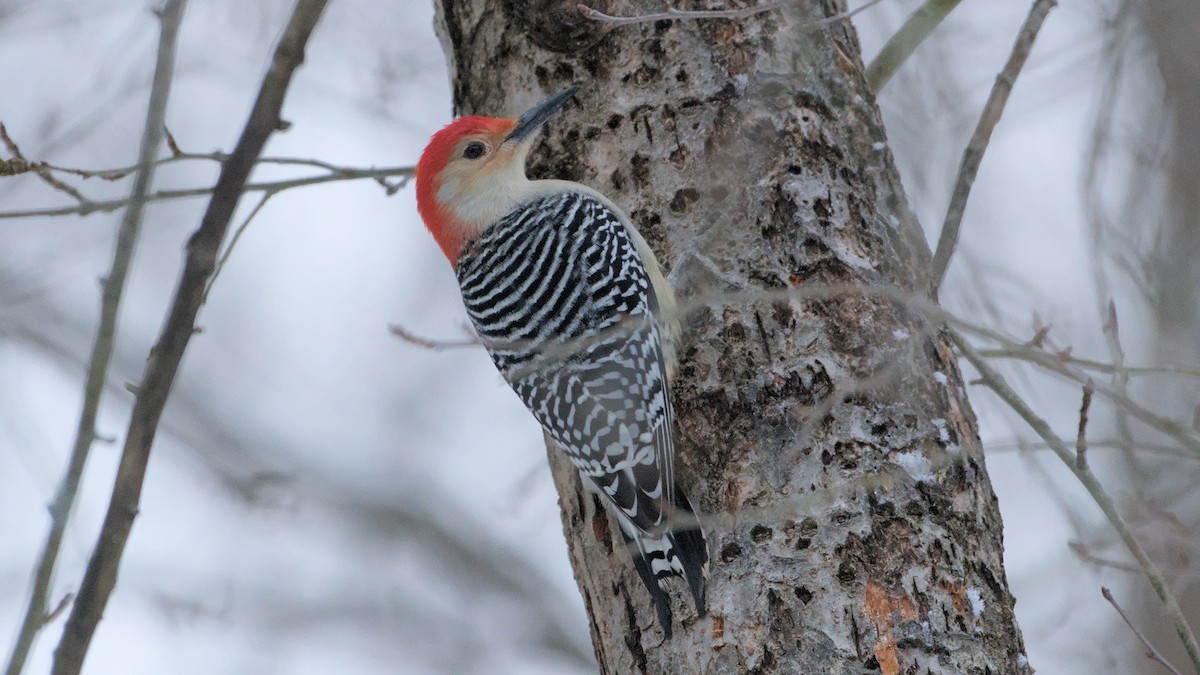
[{"x": 533, "y": 119}]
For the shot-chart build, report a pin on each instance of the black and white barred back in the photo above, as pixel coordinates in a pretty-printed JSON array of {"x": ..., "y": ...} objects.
[{"x": 564, "y": 305}]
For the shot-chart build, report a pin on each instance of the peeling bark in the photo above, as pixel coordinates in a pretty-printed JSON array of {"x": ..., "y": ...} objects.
[{"x": 852, "y": 524}]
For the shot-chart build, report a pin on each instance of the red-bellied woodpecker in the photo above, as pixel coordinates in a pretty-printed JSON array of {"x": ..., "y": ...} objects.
[{"x": 571, "y": 304}]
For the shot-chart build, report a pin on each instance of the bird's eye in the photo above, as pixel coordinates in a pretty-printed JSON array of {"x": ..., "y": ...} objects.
[{"x": 474, "y": 150}]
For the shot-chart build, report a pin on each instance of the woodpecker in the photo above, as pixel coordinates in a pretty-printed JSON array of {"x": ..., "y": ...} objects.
[{"x": 574, "y": 310}]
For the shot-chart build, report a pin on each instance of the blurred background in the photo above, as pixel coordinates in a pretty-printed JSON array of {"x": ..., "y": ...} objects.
[{"x": 324, "y": 497}]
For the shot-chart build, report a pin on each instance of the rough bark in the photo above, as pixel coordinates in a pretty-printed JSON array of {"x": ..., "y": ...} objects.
[{"x": 852, "y": 524}]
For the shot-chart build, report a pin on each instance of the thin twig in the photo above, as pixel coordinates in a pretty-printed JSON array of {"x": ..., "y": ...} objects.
[
  {"x": 1081, "y": 551},
  {"x": 672, "y": 14},
  {"x": 105, "y": 206},
  {"x": 19, "y": 164},
  {"x": 172, "y": 144},
  {"x": 1018, "y": 349},
  {"x": 1040, "y": 332},
  {"x": 1081, "y": 436},
  {"x": 178, "y": 155},
  {"x": 62, "y": 605},
  {"x": 906, "y": 40},
  {"x": 1151, "y": 652},
  {"x": 436, "y": 345},
  {"x": 1098, "y": 218},
  {"x": 1098, "y": 366},
  {"x": 1108, "y": 443},
  {"x": 1120, "y": 383},
  {"x": 167, "y": 353},
  {"x": 237, "y": 234},
  {"x": 996, "y": 383},
  {"x": 1055, "y": 364},
  {"x": 973, "y": 155},
  {"x": 102, "y": 347}
]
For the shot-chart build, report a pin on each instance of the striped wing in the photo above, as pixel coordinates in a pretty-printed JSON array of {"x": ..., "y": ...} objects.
[{"x": 563, "y": 303}]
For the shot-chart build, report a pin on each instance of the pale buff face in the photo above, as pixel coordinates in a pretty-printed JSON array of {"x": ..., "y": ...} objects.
[{"x": 480, "y": 191}]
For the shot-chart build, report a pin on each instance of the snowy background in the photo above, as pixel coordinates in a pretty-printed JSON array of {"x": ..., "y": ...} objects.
[{"x": 326, "y": 498}]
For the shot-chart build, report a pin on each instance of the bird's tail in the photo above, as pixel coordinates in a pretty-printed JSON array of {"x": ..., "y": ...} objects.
[{"x": 679, "y": 550}]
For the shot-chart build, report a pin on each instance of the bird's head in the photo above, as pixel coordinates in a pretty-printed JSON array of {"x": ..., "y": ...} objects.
[{"x": 472, "y": 173}]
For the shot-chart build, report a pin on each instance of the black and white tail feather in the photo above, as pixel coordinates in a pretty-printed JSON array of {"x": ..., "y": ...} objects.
[
  {"x": 678, "y": 551},
  {"x": 565, "y": 305}
]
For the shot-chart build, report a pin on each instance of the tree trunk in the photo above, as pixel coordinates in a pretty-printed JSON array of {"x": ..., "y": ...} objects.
[{"x": 851, "y": 521}]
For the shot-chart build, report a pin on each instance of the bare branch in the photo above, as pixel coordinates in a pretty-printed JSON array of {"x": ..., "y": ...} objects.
[
  {"x": 62, "y": 605},
  {"x": 996, "y": 383},
  {"x": 178, "y": 155},
  {"x": 1081, "y": 437},
  {"x": 19, "y": 164},
  {"x": 1120, "y": 378},
  {"x": 1107, "y": 443},
  {"x": 104, "y": 206},
  {"x": 1098, "y": 218},
  {"x": 973, "y": 155},
  {"x": 1085, "y": 554},
  {"x": 1151, "y": 652},
  {"x": 1180, "y": 570},
  {"x": 1057, "y": 363},
  {"x": 1040, "y": 333},
  {"x": 1090, "y": 364},
  {"x": 237, "y": 234},
  {"x": 172, "y": 145},
  {"x": 673, "y": 14},
  {"x": 1082, "y": 552},
  {"x": 102, "y": 347},
  {"x": 163, "y": 362},
  {"x": 906, "y": 40},
  {"x": 436, "y": 345}
]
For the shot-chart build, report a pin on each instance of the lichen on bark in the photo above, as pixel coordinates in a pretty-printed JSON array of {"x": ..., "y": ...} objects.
[{"x": 829, "y": 437}]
